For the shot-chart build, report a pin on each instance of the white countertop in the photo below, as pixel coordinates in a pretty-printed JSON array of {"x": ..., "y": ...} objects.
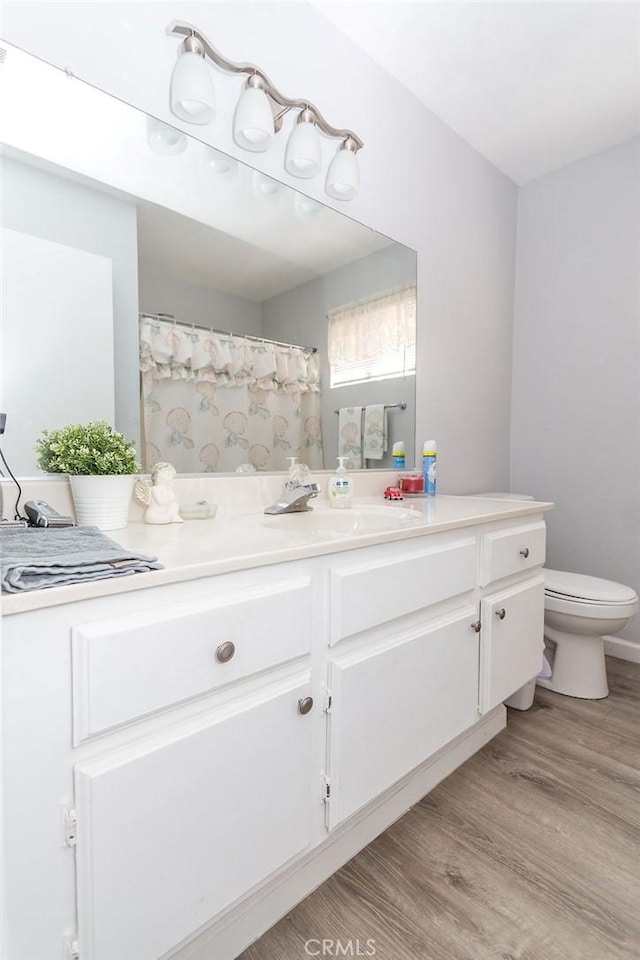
[{"x": 204, "y": 548}]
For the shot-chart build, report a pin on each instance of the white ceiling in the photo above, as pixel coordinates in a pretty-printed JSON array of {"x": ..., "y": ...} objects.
[
  {"x": 279, "y": 256},
  {"x": 532, "y": 86}
]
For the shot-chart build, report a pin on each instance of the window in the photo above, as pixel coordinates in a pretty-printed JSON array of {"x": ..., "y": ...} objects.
[{"x": 373, "y": 339}]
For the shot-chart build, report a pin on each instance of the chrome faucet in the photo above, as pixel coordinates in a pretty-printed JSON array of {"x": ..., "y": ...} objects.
[{"x": 295, "y": 498}]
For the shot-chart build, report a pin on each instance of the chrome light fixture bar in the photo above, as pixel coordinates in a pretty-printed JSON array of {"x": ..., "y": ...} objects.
[{"x": 259, "y": 113}]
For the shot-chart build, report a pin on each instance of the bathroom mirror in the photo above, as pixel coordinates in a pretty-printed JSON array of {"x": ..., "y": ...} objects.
[{"x": 109, "y": 214}]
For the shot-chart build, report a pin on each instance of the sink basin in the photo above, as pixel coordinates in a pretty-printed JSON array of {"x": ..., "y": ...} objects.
[{"x": 355, "y": 521}]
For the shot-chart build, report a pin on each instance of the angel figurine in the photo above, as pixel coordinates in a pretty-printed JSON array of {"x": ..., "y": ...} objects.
[{"x": 159, "y": 496}]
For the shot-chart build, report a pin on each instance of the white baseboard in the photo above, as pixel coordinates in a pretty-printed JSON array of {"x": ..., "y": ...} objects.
[{"x": 622, "y": 649}]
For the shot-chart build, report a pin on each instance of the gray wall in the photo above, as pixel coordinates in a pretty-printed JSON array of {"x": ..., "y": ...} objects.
[
  {"x": 435, "y": 193},
  {"x": 60, "y": 210},
  {"x": 194, "y": 303},
  {"x": 576, "y": 397},
  {"x": 300, "y": 316}
]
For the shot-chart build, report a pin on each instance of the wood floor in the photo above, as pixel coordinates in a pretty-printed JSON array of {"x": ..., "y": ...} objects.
[{"x": 530, "y": 851}]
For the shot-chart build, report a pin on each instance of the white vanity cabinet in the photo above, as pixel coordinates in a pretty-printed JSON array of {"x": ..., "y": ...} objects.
[
  {"x": 160, "y": 760},
  {"x": 511, "y": 610},
  {"x": 395, "y": 702},
  {"x": 511, "y": 641},
  {"x": 183, "y": 763},
  {"x": 176, "y": 827},
  {"x": 403, "y": 668}
]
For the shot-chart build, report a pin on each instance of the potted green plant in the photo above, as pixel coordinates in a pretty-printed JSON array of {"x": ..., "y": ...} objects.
[{"x": 101, "y": 465}]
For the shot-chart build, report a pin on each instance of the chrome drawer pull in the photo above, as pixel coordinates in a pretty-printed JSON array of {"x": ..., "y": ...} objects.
[
  {"x": 476, "y": 627},
  {"x": 304, "y": 705},
  {"x": 525, "y": 553},
  {"x": 225, "y": 652},
  {"x": 501, "y": 613}
]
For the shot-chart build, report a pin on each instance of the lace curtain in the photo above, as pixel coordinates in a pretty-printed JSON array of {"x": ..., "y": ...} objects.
[
  {"x": 373, "y": 339},
  {"x": 213, "y": 401}
]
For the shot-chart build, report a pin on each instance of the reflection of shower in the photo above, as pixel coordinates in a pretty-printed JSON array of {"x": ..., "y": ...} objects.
[
  {"x": 227, "y": 333},
  {"x": 213, "y": 401}
]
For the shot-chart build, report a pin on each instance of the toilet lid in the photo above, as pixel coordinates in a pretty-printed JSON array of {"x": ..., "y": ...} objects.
[{"x": 563, "y": 584}]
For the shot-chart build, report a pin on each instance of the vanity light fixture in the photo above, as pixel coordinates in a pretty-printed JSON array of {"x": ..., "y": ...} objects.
[
  {"x": 303, "y": 156},
  {"x": 259, "y": 114},
  {"x": 253, "y": 125},
  {"x": 343, "y": 177},
  {"x": 192, "y": 95}
]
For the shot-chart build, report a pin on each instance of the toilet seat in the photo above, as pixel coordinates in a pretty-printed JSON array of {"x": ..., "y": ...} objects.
[
  {"x": 589, "y": 597},
  {"x": 578, "y": 588},
  {"x": 588, "y": 609}
]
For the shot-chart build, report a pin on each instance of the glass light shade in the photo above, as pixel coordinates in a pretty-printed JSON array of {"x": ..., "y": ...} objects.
[
  {"x": 264, "y": 187},
  {"x": 164, "y": 139},
  {"x": 343, "y": 177},
  {"x": 192, "y": 95},
  {"x": 253, "y": 120},
  {"x": 303, "y": 156},
  {"x": 304, "y": 207},
  {"x": 224, "y": 167}
]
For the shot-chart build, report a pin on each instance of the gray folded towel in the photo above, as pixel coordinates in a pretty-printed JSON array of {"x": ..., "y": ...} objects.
[{"x": 35, "y": 559}]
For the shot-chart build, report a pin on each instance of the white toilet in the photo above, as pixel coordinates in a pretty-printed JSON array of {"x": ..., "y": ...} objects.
[{"x": 579, "y": 611}]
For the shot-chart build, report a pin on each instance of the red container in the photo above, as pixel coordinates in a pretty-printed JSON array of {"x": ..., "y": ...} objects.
[{"x": 412, "y": 483}]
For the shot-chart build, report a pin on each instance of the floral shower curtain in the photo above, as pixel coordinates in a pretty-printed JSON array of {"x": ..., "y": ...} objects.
[{"x": 212, "y": 401}]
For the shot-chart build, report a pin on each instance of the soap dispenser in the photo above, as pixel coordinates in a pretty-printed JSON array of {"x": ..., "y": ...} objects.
[
  {"x": 340, "y": 487},
  {"x": 299, "y": 474}
]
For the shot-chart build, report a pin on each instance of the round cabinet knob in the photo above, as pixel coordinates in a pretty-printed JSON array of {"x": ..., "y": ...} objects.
[
  {"x": 476, "y": 627},
  {"x": 225, "y": 651},
  {"x": 501, "y": 613},
  {"x": 304, "y": 705},
  {"x": 525, "y": 553}
]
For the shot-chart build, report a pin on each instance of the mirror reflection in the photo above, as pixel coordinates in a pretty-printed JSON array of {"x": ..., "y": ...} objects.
[{"x": 217, "y": 317}]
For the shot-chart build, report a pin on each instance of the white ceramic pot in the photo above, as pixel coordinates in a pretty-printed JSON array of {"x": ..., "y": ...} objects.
[{"x": 103, "y": 501}]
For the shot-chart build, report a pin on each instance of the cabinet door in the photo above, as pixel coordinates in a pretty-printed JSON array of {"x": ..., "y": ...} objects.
[
  {"x": 173, "y": 829},
  {"x": 394, "y": 704},
  {"x": 511, "y": 641}
]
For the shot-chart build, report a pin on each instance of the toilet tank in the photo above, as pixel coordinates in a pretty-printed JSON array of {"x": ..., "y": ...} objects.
[{"x": 503, "y": 496}]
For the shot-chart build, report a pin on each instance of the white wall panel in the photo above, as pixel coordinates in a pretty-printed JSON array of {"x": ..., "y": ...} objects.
[{"x": 57, "y": 312}]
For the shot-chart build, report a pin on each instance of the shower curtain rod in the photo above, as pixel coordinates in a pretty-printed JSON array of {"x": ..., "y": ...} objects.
[{"x": 245, "y": 336}]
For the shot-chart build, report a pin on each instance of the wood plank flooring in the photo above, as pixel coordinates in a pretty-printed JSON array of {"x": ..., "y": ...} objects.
[{"x": 530, "y": 851}]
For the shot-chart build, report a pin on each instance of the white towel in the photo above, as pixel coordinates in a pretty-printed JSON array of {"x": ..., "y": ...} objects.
[
  {"x": 375, "y": 432},
  {"x": 350, "y": 436}
]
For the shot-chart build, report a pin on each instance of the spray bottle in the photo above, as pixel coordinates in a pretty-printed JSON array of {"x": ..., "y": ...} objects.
[{"x": 429, "y": 456}]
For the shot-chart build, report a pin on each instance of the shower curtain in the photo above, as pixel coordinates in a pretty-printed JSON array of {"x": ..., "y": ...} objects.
[{"x": 211, "y": 401}]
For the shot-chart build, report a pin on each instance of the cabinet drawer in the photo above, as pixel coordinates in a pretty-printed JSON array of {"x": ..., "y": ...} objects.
[
  {"x": 130, "y": 666},
  {"x": 367, "y": 595},
  {"x": 511, "y": 551}
]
